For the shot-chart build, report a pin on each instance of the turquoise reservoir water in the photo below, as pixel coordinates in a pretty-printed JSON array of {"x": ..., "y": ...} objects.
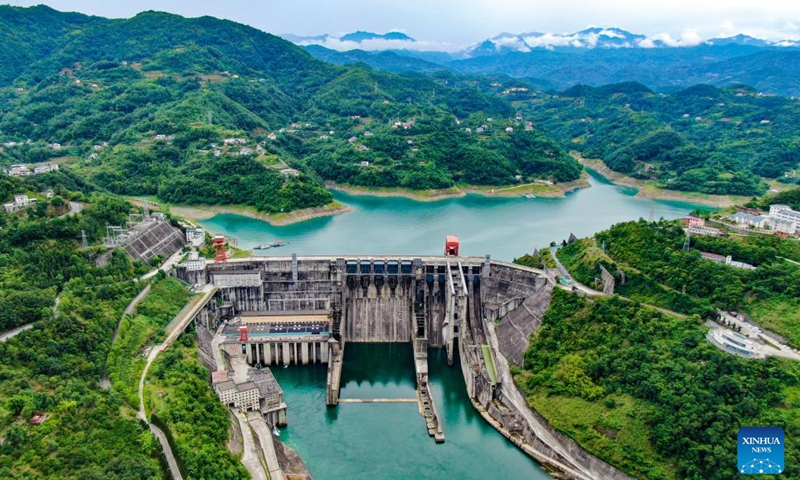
[
  {"x": 505, "y": 228},
  {"x": 389, "y": 441},
  {"x": 371, "y": 441}
]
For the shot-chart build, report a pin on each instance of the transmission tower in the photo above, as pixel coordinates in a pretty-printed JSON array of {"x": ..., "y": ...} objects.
[
  {"x": 84, "y": 241},
  {"x": 686, "y": 242},
  {"x": 652, "y": 212}
]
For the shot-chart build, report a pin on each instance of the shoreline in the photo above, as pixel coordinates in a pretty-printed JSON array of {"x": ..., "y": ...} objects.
[
  {"x": 644, "y": 190},
  {"x": 558, "y": 190},
  {"x": 204, "y": 212}
]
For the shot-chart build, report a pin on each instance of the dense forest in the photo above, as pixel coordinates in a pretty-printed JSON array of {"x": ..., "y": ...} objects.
[
  {"x": 210, "y": 111},
  {"x": 658, "y": 271},
  {"x": 646, "y": 392},
  {"x": 55, "y": 367},
  {"x": 183, "y": 404}
]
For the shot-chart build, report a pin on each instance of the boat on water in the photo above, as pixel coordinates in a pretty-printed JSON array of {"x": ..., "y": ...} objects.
[
  {"x": 275, "y": 244},
  {"x": 529, "y": 195}
]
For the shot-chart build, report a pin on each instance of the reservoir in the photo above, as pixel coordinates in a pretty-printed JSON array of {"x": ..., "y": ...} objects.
[
  {"x": 504, "y": 228},
  {"x": 389, "y": 440}
]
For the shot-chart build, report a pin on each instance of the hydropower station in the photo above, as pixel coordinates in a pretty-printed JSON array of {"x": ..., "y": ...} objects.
[{"x": 300, "y": 310}]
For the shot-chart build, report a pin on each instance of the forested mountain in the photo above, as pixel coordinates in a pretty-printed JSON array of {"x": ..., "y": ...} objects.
[
  {"x": 702, "y": 138},
  {"x": 209, "y": 111},
  {"x": 596, "y": 56},
  {"x": 644, "y": 389}
]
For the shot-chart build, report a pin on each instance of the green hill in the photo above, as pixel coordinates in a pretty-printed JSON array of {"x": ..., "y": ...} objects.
[
  {"x": 209, "y": 111},
  {"x": 703, "y": 138}
]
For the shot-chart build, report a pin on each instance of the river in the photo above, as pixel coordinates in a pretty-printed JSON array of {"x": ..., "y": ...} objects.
[
  {"x": 504, "y": 228},
  {"x": 389, "y": 441}
]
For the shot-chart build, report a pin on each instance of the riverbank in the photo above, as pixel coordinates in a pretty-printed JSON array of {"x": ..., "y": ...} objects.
[
  {"x": 537, "y": 189},
  {"x": 648, "y": 189},
  {"x": 204, "y": 212}
]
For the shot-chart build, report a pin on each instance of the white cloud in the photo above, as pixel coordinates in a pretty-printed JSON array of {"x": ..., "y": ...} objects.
[
  {"x": 611, "y": 33},
  {"x": 379, "y": 44},
  {"x": 549, "y": 40},
  {"x": 689, "y": 38}
]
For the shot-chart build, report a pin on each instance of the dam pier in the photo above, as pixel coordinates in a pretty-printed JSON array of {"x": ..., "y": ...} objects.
[{"x": 305, "y": 310}]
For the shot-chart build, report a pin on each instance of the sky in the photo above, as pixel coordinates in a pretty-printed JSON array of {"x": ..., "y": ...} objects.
[{"x": 452, "y": 24}]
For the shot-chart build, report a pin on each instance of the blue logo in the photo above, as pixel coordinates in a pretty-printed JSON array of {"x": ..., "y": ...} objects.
[{"x": 760, "y": 450}]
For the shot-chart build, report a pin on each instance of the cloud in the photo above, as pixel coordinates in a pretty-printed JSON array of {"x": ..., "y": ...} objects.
[
  {"x": 379, "y": 44},
  {"x": 689, "y": 38}
]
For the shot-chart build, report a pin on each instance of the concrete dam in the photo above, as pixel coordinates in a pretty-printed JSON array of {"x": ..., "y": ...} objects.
[{"x": 303, "y": 310}]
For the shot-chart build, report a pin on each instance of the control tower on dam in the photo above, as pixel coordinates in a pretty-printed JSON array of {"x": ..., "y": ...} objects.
[{"x": 300, "y": 310}]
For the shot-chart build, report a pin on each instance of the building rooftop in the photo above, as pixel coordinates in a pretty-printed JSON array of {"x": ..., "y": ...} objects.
[
  {"x": 265, "y": 381},
  {"x": 286, "y": 316},
  {"x": 219, "y": 376},
  {"x": 243, "y": 387},
  {"x": 226, "y": 385},
  {"x": 790, "y": 213},
  {"x": 713, "y": 256},
  {"x": 747, "y": 217}
]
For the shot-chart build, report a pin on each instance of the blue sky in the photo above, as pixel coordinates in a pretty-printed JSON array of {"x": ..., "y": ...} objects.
[{"x": 462, "y": 22}]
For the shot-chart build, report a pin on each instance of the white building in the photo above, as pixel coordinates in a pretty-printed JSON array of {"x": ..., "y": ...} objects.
[
  {"x": 290, "y": 172},
  {"x": 784, "y": 212},
  {"x": 46, "y": 168},
  {"x": 756, "y": 221},
  {"x": 195, "y": 265},
  {"x": 703, "y": 230},
  {"x": 734, "y": 343},
  {"x": 244, "y": 395},
  {"x": 20, "y": 201},
  {"x": 785, "y": 226},
  {"x": 18, "y": 171},
  {"x": 196, "y": 237}
]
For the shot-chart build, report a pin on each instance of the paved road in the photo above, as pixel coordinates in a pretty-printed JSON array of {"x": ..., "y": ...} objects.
[
  {"x": 565, "y": 273},
  {"x": 166, "y": 266},
  {"x": 162, "y": 439},
  {"x": 74, "y": 207},
  {"x": 250, "y": 457},
  {"x": 14, "y": 332}
]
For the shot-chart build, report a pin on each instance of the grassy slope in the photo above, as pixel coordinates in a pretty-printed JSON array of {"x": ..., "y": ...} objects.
[{"x": 127, "y": 358}]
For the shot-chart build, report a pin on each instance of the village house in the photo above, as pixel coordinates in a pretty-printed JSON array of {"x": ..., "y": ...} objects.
[
  {"x": 727, "y": 260},
  {"x": 19, "y": 170},
  {"x": 46, "y": 168},
  {"x": 20, "y": 201}
]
